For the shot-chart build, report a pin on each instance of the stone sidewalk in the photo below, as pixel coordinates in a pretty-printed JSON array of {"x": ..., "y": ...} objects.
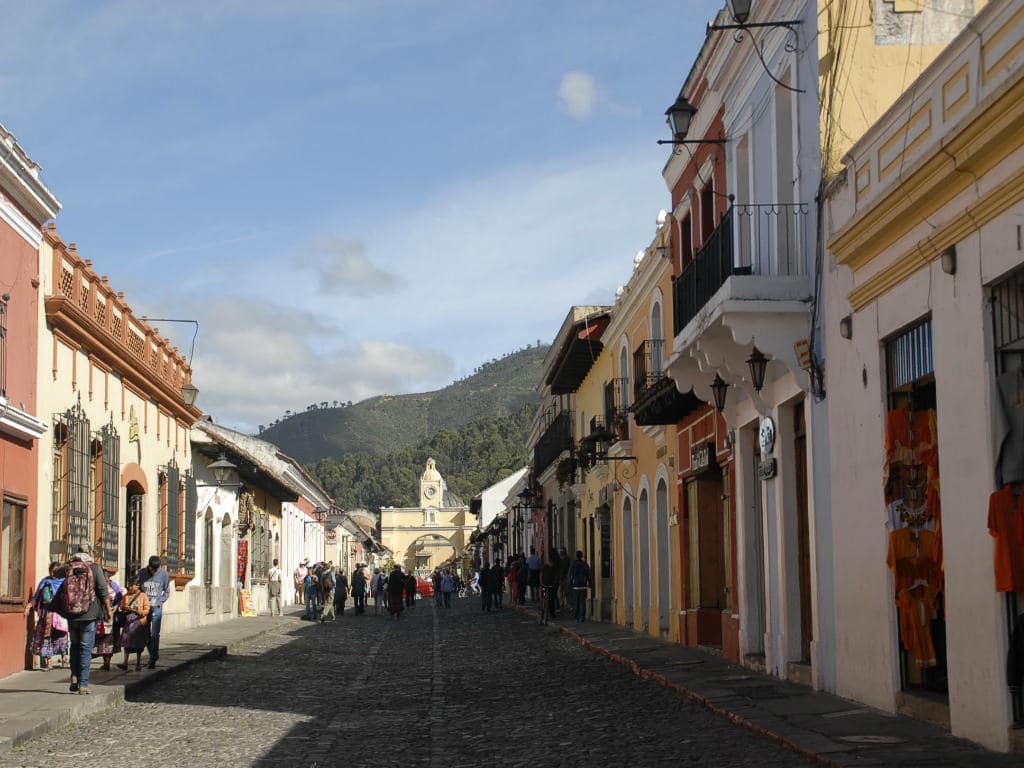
[
  {"x": 33, "y": 703},
  {"x": 830, "y": 730}
]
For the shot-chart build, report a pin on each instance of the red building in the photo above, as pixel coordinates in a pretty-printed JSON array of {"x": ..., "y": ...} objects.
[
  {"x": 696, "y": 176},
  {"x": 25, "y": 204}
]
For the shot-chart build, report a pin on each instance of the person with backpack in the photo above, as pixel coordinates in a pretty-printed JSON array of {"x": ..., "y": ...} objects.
[
  {"x": 157, "y": 586},
  {"x": 82, "y": 599},
  {"x": 579, "y": 581},
  {"x": 380, "y": 591}
]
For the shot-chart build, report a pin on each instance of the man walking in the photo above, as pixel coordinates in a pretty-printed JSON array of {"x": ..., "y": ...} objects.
[
  {"x": 435, "y": 582},
  {"x": 341, "y": 593},
  {"x": 579, "y": 581},
  {"x": 157, "y": 586},
  {"x": 485, "y": 579},
  {"x": 447, "y": 587},
  {"x": 84, "y": 600},
  {"x": 358, "y": 590},
  {"x": 497, "y": 583},
  {"x": 274, "y": 587}
]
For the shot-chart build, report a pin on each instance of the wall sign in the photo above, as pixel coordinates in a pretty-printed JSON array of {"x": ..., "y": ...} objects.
[
  {"x": 702, "y": 458},
  {"x": 767, "y": 469},
  {"x": 766, "y": 435}
]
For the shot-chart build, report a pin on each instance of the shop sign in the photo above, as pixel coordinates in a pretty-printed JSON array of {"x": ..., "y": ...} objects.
[
  {"x": 246, "y": 608},
  {"x": 661, "y": 451},
  {"x": 767, "y": 469},
  {"x": 702, "y": 458},
  {"x": 332, "y": 536}
]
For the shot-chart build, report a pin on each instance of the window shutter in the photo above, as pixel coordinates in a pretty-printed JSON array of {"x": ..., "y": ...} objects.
[
  {"x": 111, "y": 494},
  {"x": 173, "y": 517}
]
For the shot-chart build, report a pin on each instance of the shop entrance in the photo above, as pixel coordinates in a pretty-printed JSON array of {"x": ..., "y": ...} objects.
[
  {"x": 662, "y": 537},
  {"x": 133, "y": 531},
  {"x": 208, "y": 559},
  {"x": 706, "y": 544},
  {"x": 754, "y": 528},
  {"x": 914, "y": 510}
]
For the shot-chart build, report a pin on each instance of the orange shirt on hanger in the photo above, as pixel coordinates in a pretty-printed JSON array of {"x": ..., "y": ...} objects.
[{"x": 1006, "y": 524}]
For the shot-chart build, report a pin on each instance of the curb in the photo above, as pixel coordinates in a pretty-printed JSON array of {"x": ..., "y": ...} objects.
[
  {"x": 97, "y": 701},
  {"x": 646, "y": 674}
]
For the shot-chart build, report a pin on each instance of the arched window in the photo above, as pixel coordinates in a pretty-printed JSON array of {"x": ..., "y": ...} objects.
[{"x": 657, "y": 339}]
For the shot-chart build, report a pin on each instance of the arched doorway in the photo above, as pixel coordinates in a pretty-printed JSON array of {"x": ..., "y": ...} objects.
[
  {"x": 426, "y": 553},
  {"x": 135, "y": 507},
  {"x": 643, "y": 517},
  {"x": 664, "y": 565},
  {"x": 628, "y": 562}
]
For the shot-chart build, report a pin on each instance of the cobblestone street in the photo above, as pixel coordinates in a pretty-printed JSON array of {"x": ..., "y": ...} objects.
[{"x": 437, "y": 688}]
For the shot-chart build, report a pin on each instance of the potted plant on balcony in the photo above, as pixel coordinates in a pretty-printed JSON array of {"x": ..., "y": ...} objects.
[{"x": 565, "y": 472}]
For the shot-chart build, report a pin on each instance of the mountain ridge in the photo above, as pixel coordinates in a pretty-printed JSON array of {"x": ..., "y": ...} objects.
[{"x": 385, "y": 423}]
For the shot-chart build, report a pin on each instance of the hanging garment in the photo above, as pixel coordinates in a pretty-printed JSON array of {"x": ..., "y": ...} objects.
[
  {"x": 910, "y": 436},
  {"x": 1006, "y": 525},
  {"x": 917, "y": 609},
  {"x": 912, "y": 560}
]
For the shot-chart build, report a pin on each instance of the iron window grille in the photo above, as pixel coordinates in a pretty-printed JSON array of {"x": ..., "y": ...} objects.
[
  {"x": 105, "y": 468},
  {"x": 170, "y": 515},
  {"x": 188, "y": 524},
  {"x": 71, "y": 468},
  {"x": 1008, "y": 339},
  {"x": 616, "y": 410}
]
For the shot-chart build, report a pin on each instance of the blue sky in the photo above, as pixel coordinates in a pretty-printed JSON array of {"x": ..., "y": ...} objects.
[{"x": 353, "y": 198}]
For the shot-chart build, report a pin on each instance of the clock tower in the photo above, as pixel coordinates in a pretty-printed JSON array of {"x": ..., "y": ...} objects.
[{"x": 431, "y": 486}]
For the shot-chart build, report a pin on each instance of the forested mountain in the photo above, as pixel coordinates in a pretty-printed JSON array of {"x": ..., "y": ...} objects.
[
  {"x": 378, "y": 425},
  {"x": 469, "y": 458}
]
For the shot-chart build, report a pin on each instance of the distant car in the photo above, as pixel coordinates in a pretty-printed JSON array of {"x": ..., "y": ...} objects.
[{"x": 424, "y": 588}]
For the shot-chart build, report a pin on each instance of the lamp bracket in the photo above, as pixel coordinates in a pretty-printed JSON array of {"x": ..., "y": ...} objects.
[{"x": 788, "y": 24}]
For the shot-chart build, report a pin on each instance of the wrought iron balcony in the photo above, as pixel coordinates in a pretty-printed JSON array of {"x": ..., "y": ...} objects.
[
  {"x": 556, "y": 438},
  {"x": 616, "y": 409},
  {"x": 751, "y": 239},
  {"x": 648, "y": 360}
]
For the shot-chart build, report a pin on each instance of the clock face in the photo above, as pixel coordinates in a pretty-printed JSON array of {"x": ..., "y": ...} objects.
[{"x": 429, "y": 491}]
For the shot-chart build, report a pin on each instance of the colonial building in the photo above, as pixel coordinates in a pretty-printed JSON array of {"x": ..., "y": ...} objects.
[
  {"x": 926, "y": 381},
  {"x": 423, "y": 537},
  {"x": 759, "y": 116},
  {"x": 255, "y": 505},
  {"x": 115, "y": 463},
  {"x": 25, "y": 204}
]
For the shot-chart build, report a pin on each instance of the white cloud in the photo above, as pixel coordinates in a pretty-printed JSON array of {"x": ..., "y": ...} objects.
[
  {"x": 577, "y": 94},
  {"x": 257, "y": 358},
  {"x": 344, "y": 269}
]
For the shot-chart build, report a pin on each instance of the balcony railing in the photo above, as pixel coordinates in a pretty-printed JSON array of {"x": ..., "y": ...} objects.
[
  {"x": 647, "y": 367},
  {"x": 556, "y": 438},
  {"x": 616, "y": 409},
  {"x": 761, "y": 239}
]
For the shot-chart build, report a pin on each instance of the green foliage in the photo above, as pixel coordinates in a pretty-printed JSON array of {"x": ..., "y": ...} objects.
[
  {"x": 387, "y": 423},
  {"x": 470, "y": 458}
]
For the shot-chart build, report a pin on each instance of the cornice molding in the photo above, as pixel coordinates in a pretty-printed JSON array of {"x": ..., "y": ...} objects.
[
  {"x": 71, "y": 326},
  {"x": 20, "y": 424},
  {"x": 988, "y": 139}
]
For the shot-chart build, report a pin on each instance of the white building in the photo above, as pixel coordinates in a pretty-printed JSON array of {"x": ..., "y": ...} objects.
[{"x": 926, "y": 352}]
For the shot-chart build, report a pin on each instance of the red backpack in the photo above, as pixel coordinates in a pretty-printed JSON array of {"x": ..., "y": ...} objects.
[{"x": 78, "y": 592}]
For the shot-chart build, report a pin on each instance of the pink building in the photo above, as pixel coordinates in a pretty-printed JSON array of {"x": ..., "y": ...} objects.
[{"x": 25, "y": 204}]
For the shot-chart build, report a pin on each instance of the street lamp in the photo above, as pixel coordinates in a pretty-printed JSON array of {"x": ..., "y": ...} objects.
[
  {"x": 679, "y": 116},
  {"x": 758, "y": 364},
  {"x": 189, "y": 392},
  {"x": 719, "y": 389},
  {"x": 223, "y": 470}
]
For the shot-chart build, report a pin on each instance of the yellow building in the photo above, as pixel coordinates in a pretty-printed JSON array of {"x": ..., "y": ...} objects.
[{"x": 423, "y": 537}]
